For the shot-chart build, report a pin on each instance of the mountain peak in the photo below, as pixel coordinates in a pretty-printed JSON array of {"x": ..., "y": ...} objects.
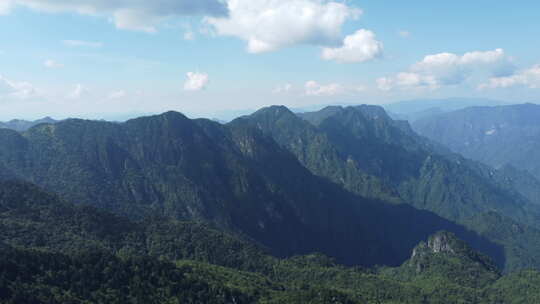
[
  {"x": 372, "y": 111},
  {"x": 274, "y": 111},
  {"x": 169, "y": 116},
  {"x": 172, "y": 114}
]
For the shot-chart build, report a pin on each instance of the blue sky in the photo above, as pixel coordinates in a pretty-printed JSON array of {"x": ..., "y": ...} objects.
[{"x": 115, "y": 58}]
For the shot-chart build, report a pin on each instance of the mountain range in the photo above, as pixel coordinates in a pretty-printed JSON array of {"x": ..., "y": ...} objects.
[
  {"x": 242, "y": 199},
  {"x": 23, "y": 125},
  {"x": 498, "y": 136},
  {"x": 416, "y": 109}
]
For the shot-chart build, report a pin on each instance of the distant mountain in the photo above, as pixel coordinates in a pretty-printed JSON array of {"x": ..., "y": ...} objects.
[
  {"x": 413, "y": 110},
  {"x": 498, "y": 136},
  {"x": 23, "y": 125}
]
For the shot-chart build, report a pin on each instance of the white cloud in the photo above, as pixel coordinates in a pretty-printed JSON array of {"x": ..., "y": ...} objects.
[
  {"x": 313, "y": 88},
  {"x": 286, "y": 88},
  {"x": 78, "y": 92},
  {"x": 117, "y": 94},
  {"x": 449, "y": 60},
  {"x": 269, "y": 25},
  {"x": 358, "y": 47},
  {"x": 51, "y": 64},
  {"x": 196, "y": 81},
  {"x": 138, "y": 15},
  {"x": 443, "y": 69},
  {"x": 81, "y": 43},
  {"x": 529, "y": 77},
  {"x": 483, "y": 57},
  {"x": 408, "y": 80},
  {"x": 14, "y": 89}
]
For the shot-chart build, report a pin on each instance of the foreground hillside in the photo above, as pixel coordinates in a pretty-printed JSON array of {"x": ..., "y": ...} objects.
[{"x": 55, "y": 252}]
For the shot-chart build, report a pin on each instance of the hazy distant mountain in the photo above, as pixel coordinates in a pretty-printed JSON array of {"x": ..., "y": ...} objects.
[
  {"x": 23, "y": 125},
  {"x": 498, "y": 136},
  {"x": 413, "y": 110}
]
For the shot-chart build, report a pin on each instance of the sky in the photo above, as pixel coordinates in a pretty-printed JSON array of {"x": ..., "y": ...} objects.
[{"x": 115, "y": 59}]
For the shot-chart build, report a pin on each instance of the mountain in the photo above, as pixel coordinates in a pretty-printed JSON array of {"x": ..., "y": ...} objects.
[
  {"x": 413, "y": 110},
  {"x": 368, "y": 153},
  {"x": 232, "y": 176},
  {"x": 23, "y": 125},
  {"x": 498, "y": 136},
  {"x": 353, "y": 144},
  {"x": 249, "y": 177}
]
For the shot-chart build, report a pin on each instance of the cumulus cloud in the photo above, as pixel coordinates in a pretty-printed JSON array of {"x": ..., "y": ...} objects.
[
  {"x": 447, "y": 61},
  {"x": 51, "y": 64},
  {"x": 196, "y": 81},
  {"x": 529, "y": 77},
  {"x": 444, "y": 69},
  {"x": 358, "y": 47},
  {"x": 17, "y": 90},
  {"x": 269, "y": 25},
  {"x": 81, "y": 43},
  {"x": 313, "y": 88},
  {"x": 139, "y": 15}
]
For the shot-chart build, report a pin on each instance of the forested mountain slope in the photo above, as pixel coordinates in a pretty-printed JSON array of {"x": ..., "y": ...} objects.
[
  {"x": 55, "y": 252},
  {"x": 234, "y": 177},
  {"x": 368, "y": 153}
]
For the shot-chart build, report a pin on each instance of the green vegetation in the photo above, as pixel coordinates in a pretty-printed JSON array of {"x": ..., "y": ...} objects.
[
  {"x": 54, "y": 252},
  {"x": 232, "y": 177},
  {"x": 328, "y": 207},
  {"x": 368, "y": 153}
]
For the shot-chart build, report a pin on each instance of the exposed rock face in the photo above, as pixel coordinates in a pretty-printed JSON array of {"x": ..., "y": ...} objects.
[{"x": 440, "y": 242}]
